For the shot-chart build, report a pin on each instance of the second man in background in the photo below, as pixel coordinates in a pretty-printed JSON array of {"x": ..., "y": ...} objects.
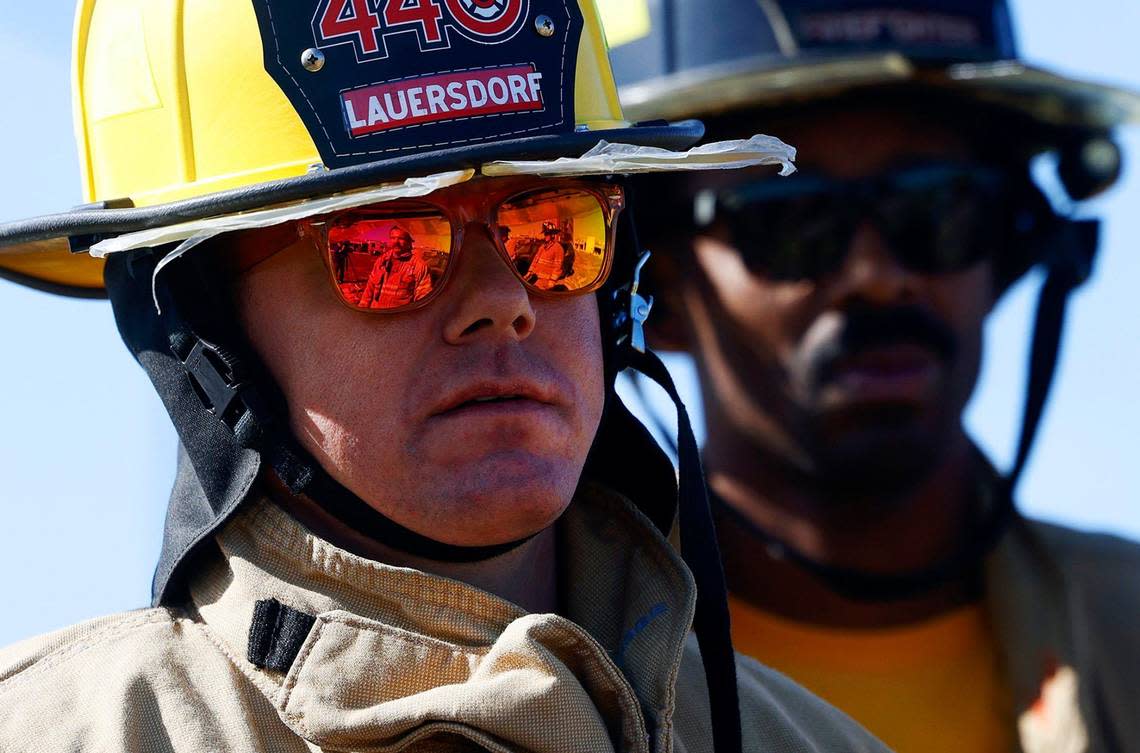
[{"x": 872, "y": 551}]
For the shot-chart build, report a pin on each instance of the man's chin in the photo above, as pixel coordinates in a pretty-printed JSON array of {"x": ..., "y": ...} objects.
[
  {"x": 500, "y": 519},
  {"x": 503, "y": 498},
  {"x": 877, "y": 449}
]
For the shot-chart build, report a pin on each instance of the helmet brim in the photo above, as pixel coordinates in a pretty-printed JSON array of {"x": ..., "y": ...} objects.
[
  {"x": 38, "y": 252},
  {"x": 1051, "y": 99}
]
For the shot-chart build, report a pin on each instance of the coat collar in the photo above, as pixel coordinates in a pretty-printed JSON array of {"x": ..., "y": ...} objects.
[{"x": 398, "y": 655}]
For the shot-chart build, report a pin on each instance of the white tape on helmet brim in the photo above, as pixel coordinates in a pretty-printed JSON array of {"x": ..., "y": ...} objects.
[{"x": 604, "y": 159}]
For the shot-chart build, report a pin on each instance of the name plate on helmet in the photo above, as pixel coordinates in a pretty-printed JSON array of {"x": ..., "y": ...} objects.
[
  {"x": 957, "y": 29},
  {"x": 378, "y": 79}
]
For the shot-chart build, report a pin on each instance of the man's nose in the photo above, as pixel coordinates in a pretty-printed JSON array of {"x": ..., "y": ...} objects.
[
  {"x": 871, "y": 271},
  {"x": 487, "y": 299}
]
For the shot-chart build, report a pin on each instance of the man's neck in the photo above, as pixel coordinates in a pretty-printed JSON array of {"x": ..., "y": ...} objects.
[
  {"x": 917, "y": 529},
  {"x": 526, "y": 575}
]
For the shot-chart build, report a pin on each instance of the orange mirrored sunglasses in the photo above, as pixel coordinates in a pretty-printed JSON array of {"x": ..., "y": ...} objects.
[{"x": 397, "y": 256}]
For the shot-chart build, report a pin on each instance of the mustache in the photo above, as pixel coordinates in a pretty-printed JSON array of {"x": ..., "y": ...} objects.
[{"x": 867, "y": 327}]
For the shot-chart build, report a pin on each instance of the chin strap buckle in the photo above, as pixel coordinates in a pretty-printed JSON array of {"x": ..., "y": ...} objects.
[
  {"x": 632, "y": 310},
  {"x": 213, "y": 374}
]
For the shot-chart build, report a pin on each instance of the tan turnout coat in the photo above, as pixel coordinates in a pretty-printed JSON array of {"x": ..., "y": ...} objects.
[
  {"x": 399, "y": 660},
  {"x": 1066, "y": 607}
]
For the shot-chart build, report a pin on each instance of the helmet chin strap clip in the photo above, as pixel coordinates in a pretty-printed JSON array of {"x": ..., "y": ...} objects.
[
  {"x": 217, "y": 377},
  {"x": 212, "y": 379},
  {"x": 632, "y": 310}
]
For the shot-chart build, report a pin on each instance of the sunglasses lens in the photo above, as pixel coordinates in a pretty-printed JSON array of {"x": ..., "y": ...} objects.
[
  {"x": 792, "y": 238},
  {"x": 935, "y": 219},
  {"x": 557, "y": 240},
  {"x": 390, "y": 259},
  {"x": 788, "y": 228},
  {"x": 946, "y": 221}
]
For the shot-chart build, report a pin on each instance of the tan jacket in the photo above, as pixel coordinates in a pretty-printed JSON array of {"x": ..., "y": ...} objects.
[
  {"x": 402, "y": 660},
  {"x": 1066, "y": 607}
]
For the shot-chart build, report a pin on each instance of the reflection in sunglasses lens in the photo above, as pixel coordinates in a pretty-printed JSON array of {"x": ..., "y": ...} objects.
[
  {"x": 555, "y": 239},
  {"x": 389, "y": 260}
]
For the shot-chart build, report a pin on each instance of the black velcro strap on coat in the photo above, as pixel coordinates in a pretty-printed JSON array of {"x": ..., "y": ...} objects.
[{"x": 277, "y": 634}]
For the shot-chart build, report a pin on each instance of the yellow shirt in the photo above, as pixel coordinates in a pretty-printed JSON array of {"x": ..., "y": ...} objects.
[{"x": 931, "y": 687}]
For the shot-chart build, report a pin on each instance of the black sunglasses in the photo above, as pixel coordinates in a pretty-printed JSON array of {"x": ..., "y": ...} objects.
[{"x": 935, "y": 218}]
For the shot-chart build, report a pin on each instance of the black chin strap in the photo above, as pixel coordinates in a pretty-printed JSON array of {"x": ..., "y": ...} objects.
[
  {"x": 701, "y": 553},
  {"x": 1068, "y": 268},
  {"x": 861, "y": 585},
  {"x": 628, "y": 311},
  {"x": 305, "y": 477}
]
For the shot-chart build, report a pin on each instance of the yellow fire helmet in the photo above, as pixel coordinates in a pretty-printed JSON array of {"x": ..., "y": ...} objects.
[{"x": 191, "y": 110}]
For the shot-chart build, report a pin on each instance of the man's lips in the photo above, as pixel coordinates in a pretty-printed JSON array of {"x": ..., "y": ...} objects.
[
  {"x": 499, "y": 398},
  {"x": 901, "y": 372}
]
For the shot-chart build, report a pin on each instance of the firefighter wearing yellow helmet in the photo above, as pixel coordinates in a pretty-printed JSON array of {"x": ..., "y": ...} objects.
[
  {"x": 411, "y": 512},
  {"x": 836, "y": 318}
]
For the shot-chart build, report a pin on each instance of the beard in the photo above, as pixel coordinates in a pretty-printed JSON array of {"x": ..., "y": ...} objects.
[{"x": 875, "y": 452}]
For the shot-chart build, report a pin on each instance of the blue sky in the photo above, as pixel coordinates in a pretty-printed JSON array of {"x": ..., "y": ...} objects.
[{"x": 87, "y": 455}]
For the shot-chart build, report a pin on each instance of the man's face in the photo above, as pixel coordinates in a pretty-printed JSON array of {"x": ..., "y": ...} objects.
[
  {"x": 400, "y": 241},
  {"x": 857, "y": 377},
  {"x": 467, "y": 420}
]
